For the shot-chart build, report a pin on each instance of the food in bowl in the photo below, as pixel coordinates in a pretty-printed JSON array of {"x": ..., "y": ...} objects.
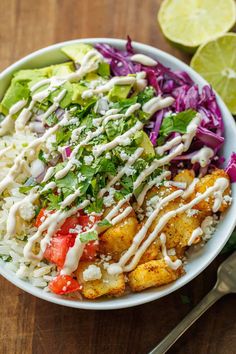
[{"x": 110, "y": 172}]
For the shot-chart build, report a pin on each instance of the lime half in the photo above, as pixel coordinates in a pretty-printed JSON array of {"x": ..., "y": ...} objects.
[
  {"x": 216, "y": 62},
  {"x": 190, "y": 23}
]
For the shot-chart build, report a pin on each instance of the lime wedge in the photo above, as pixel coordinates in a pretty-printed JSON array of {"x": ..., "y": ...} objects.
[
  {"x": 216, "y": 62},
  {"x": 190, "y": 23}
]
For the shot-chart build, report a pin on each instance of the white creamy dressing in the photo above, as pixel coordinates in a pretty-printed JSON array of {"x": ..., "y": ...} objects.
[
  {"x": 203, "y": 156},
  {"x": 160, "y": 150},
  {"x": 119, "y": 140},
  {"x": 157, "y": 163},
  {"x": 138, "y": 248},
  {"x": 191, "y": 131},
  {"x": 157, "y": 103},
  {"x": 129, "y": 80},
  {"x": 154, "y": 182},
  {"x": 50, "y": 172},
  {"x": 117, "y": 207},
  {"x": 54, "y": 106},
  {"x": 5, "y": 150},
  {"x": 122, "y": 171},
  {"x": 7, "y": 124},
  {"x": 190, "y": 188},
  {"x": 195, "y": 236},
  {"x": 172, "y": 264},
  {"x": 73, "y": 256},
  {"x": 143, "y": 59},
  {"x": 122, "y": 215},
  {"x": 50, "y": 185}
]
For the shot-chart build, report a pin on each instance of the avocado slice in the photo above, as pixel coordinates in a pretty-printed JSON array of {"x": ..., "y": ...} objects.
[
  {"x": 104, "y": 70},
  {"x": 32, "y": 74},
  {"x": 119, "y": 92},
  {"x": 77, "y": 95},
  {"x": 16, "y": 91},
  {"x": 76, "y": 52},
  {"x": 62, "y": 69},
  {"x": 143, "y": 141}
]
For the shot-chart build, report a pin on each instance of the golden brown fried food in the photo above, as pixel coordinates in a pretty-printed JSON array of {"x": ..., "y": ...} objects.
[
  {"x": 153, "y": 273},
  {"x": 107, "y": 285},
  {"x": 119, "y": 237},
  {"x": 206, "y": 182}
]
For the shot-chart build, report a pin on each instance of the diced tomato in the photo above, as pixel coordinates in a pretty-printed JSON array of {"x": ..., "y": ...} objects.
[
  {"x": 87, "y": 220},
  {"x": 70, "y": 223},
  {"x": 61, "y": 242},
  {"x": 57, "y": 249},
  {"x": 64, "y": 284},
  {"x": 90, "y": 251}
]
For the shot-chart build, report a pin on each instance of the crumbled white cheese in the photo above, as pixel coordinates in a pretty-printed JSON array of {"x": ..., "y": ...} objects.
[
  {"x": 124, "y": 156},
  {"x": 88, "y": 160},
  {"x": 108, "y": 200},
  {"x": 171, "y": 252},
  {"x": 92, "y": 273},
  {"x": 129, "y": 171},
  {"x": 227, "y": 199},
  {"x": 108, "y": 155},
  {"x": 192, "y": 212},
  {"x": 27, "y": 211},
  {"x": 50, "y": 141},
  {"x": 80, "y": 177}
]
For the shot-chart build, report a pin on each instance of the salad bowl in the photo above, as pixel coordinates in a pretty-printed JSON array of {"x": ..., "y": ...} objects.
[{"x": 197, "y": 260}]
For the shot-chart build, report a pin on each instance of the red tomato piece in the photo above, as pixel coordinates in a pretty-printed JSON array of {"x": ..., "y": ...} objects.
[
  {"x": 57, "y": 249},
  {"x": 70, "y": 223},
  {"x": 64, "y": 284},
  {"x": 90, "y": 251}
]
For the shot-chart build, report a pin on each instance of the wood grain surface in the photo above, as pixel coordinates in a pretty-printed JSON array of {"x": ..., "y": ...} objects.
[{"x": 30, "y": 325}]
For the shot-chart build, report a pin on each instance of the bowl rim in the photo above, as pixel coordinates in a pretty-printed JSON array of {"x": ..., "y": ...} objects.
[{"x": 147, "y": 297}]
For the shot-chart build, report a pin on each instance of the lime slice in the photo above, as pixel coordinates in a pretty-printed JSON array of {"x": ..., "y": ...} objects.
[
  {"x": 216, "y": 62},
  {"x": 190, "y": 23}
]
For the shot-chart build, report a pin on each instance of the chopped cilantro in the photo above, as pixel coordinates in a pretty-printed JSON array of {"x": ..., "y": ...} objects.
[
  {"x": 88, "y": 236},
  {"x": 52, "y": 120},
  {"x": 95, "y": 207},
  {"x": 41, "y": 156},
  {"x": 70, "y": 181},
  {"x": 146, "y": 95},
  {"x": 104, "y": 222},
  {"x": 176, "y": 123}
]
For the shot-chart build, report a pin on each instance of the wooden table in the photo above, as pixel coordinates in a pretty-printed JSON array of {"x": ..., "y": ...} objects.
[{"x": 29, "y": 325}]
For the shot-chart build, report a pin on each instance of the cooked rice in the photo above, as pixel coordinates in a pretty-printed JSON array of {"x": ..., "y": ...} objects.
[{"x": 11, "y": 250}]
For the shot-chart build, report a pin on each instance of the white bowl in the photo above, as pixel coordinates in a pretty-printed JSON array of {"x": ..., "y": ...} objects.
[{"x": 199, "y": 260}]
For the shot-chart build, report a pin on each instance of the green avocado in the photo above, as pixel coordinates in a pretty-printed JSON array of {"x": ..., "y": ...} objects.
[
  {"x": 32, "y": 74},
  {"x": 119, "y": 92},
  {"x": 16, "y": 91},
  {"x": 76, "y": 52},
  {"x": 143, "y": 141},
  {"x": 77, "y": 95},
  {"x": 104, "y": 70},
  {"x": 62, "y": 69}
]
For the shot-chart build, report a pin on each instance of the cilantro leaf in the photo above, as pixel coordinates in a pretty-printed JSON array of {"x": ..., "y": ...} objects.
[
  {"x": 177, "y": 123},
  {"x": 25, "y": 189},
  {"x": 104, "y": 222},
  {"x": 95, "y": 206},
  {"x": 70, "y": 181},
  {"x": 54, "y": 201},
  {"x": 146, "y": 95},
  {"x": 52, "y": 120},
  {"x": 124, "y": 104},
  {"x": 88, "y": 236},
  {"x": 41, "y": 156}
]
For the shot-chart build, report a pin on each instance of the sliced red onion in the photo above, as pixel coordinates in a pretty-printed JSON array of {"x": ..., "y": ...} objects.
[
  {"x": 68, "y": 151},
  {"x": 38, "y": 170},
  {"x": 30, "y": 181}
]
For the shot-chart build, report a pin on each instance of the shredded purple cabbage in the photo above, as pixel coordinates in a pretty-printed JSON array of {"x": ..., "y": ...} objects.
[
  {"x": 187, "y": 94},
  {"x": 231, "y": 167}
]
